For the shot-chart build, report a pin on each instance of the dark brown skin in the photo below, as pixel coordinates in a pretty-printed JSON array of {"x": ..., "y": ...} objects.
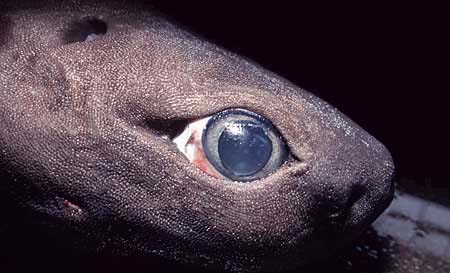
[{"x": 83, "y": 145}]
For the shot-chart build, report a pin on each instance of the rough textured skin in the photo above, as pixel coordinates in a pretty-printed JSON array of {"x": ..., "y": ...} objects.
[{"x": 82, "y": 145}]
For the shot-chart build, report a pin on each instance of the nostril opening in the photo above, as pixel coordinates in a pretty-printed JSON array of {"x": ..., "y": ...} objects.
[
  {"x": 356, "y": 194},
  {"x": 5, "y": 29},
  {"x": 86, "y": 29}
]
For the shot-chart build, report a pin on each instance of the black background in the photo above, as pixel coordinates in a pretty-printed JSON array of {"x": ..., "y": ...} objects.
[{"x": 382, "y": 65}]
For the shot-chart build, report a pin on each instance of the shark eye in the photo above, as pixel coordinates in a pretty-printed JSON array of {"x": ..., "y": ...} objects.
[{"x": 235, "y": 144}]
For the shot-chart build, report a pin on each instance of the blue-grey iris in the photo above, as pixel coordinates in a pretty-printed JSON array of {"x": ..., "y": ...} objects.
[
  {"x": 243, "y": 145},
  {"x": 244, "y": 149}
]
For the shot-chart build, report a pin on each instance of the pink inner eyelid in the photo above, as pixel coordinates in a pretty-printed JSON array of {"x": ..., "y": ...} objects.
[{"x": 189, "y": 142}]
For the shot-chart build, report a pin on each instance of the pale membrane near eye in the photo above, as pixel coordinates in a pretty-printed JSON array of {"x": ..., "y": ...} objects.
[
  {"x": 189, "y": 142},
  {"x": 92, "y": 37}
]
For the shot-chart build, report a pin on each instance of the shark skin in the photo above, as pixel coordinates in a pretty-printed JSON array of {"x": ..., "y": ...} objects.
[{"x": 91, "y": 93}]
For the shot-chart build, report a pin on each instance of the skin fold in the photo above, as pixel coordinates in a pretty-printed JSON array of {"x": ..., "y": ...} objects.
[{"x": 86, "y": 157}]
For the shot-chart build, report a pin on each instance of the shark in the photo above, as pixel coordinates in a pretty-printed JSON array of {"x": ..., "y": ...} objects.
[{"x": 94, "y": 97}]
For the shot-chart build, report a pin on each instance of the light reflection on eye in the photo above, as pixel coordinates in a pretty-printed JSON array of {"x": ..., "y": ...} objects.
[{"x": 235, "y": 144}]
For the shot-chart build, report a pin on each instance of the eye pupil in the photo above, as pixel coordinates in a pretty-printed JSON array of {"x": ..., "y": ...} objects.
[{"x": 244, "y": 148}]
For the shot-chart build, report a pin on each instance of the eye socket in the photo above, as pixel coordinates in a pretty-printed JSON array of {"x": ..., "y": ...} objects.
[{"x": 235, "y": 144}]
